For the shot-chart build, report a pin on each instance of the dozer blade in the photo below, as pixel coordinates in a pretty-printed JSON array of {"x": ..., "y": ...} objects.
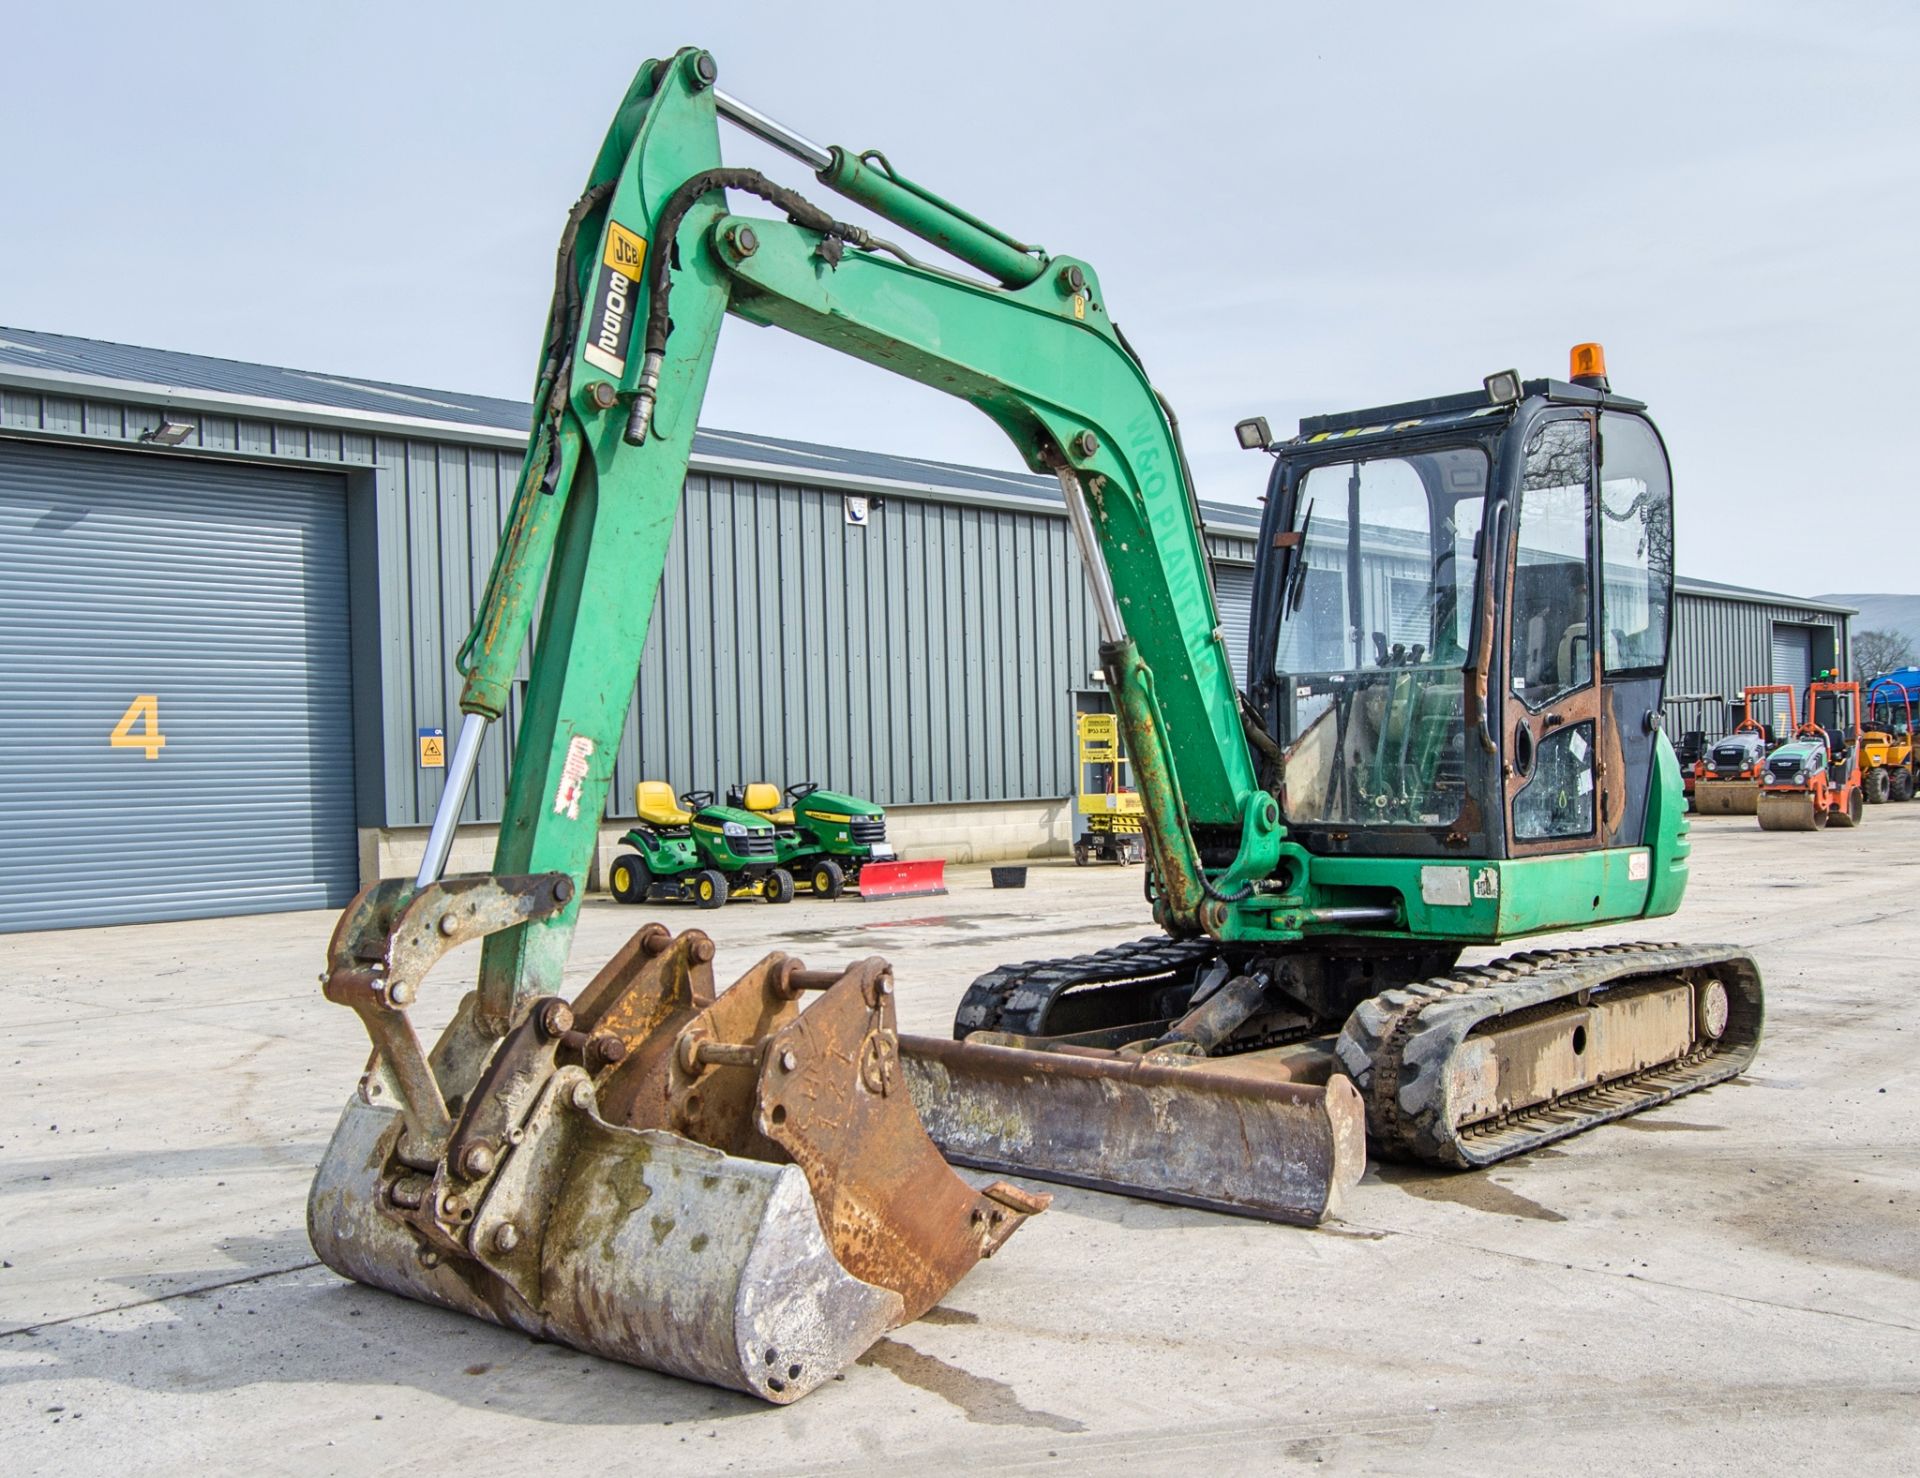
[
  {"x": 723, "y": 1187},
  {"x": 1726, "y": 797},
  {"x": 902, "y": 879},
  {"x": 1234, "y": 1134},
  {"x": 1791, "y": 810}
]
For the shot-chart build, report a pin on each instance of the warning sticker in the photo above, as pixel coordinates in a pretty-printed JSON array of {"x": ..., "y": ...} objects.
[
  {"x": 573, "y": 774},
  {"x": 609, "y": 327}
]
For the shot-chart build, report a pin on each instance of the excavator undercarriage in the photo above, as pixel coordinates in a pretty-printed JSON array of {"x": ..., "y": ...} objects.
[{"x": 1277, "y": 1059}]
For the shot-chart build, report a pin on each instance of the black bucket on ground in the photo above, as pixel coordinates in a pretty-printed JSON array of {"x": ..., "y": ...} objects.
[{"x": 1009, "y": 877}]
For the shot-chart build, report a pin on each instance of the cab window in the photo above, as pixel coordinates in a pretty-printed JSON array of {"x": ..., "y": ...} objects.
[
  {"x": 1551, "y": 646},
  {"x": 1636, "y": 544}
]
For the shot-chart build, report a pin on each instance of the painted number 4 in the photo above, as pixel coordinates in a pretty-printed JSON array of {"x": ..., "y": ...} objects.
[{"x": 144, "y": 711}]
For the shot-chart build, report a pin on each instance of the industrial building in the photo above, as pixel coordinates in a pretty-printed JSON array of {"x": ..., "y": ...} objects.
[{"x": 231, "y": 596}]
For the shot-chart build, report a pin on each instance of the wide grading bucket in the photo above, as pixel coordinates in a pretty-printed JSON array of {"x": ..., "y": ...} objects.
[
  {"x": 720, "y": 1186},
  {"x": 1726, "y": 797}
]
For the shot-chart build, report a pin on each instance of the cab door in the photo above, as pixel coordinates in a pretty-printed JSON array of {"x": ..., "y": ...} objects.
[
  {"x": 1560, "y": 746},
  {"x": 1635, "y": 514}
]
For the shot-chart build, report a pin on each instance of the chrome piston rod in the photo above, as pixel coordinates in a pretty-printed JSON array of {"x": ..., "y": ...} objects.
[
  {"x": 1112, "y": 628},
  {"x": 744, "y": 115},
  {"x": 466, "y": 754}
]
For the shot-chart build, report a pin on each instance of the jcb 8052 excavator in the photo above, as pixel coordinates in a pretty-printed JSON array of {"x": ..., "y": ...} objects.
[{"x": 1452, "y": 738}]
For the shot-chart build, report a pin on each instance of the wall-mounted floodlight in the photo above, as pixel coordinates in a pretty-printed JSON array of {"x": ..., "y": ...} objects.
[
  {"x": 1253, "y": 434},
  {"x": 1503, "y": 388},
  {"x": 168, "y": 433}
]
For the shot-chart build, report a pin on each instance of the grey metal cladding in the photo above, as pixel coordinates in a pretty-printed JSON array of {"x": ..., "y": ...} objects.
[
  {"x": 1722, "y": 643},
  {"x": 1233, "y": 585},
  {"x": 923, "y": 658},
  {"x": 221, "y": 591}
]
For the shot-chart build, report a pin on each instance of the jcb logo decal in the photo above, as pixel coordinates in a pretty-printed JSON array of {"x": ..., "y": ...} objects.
[
  {"x": 610, "y": 329},
  {"x": 626, "y": 252}
]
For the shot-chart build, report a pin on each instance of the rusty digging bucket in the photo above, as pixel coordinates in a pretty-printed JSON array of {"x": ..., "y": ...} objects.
[{"x": 721, "y": 1186}]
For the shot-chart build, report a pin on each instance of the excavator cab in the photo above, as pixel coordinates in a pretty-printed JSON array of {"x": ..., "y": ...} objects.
[
  {"x": 1460, "y": 630},
  {"x": 1459, "y": 640}
]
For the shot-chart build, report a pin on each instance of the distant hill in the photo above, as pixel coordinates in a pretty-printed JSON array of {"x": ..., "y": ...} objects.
[{"x": 1883, "y": 612}]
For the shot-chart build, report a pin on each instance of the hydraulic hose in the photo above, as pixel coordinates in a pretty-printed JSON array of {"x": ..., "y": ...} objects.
[
  {"x": 659, "y": 268},
  {"x": 1206, "y": 886}
]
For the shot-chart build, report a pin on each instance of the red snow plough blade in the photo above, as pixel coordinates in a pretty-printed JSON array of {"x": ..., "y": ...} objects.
[{"x": 902, "y": 879}]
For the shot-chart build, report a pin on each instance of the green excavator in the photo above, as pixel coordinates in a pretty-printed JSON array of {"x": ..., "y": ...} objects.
[{"x": 1450, "y": 739}]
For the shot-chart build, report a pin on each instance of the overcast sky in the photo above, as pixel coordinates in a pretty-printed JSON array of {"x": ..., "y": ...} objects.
[{"x": 1294, "y": 208}]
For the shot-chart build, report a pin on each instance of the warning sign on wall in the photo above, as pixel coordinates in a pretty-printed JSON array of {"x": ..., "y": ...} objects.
[{"x": 433, "y": 749}]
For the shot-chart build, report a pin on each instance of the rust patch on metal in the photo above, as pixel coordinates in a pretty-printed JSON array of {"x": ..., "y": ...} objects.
[
  {"x": 833, "y": 1097},
  {"x": 750, "y": 1073}
]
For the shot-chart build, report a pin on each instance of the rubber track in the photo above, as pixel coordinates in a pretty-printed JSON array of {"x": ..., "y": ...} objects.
[
  {"x": 1017, "y": 998},
  {"x": 1397, "y": 1045}
]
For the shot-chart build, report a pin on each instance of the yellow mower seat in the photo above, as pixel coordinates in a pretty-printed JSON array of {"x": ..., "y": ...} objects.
[
  {"x": 765, "y": 799},
  {"x": 658, "y": 806}
]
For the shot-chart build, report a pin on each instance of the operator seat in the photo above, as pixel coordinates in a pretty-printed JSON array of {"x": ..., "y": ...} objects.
[
  {"x": 765, "y": 799},
  {"x": 658, "y": 806}
]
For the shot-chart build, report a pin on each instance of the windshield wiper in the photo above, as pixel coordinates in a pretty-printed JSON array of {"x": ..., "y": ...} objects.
[{"x": 1297, "y": 575}]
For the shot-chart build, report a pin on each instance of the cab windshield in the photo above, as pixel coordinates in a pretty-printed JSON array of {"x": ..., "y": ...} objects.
[{"x": 1375, "y": 620}]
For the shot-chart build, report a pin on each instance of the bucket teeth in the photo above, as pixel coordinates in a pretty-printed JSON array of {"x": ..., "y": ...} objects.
[{"x": 723, "y": 1185}]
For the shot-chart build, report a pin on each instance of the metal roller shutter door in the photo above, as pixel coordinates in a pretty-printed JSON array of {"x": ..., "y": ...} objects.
[
  {"x": 1793, "y": 658},
  {"x": 221, "y": 592},
  {"x": 1233, "y": 584}
]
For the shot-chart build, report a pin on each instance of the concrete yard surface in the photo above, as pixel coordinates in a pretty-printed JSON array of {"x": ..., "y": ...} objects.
[{"x": 1727, "y": 1283}]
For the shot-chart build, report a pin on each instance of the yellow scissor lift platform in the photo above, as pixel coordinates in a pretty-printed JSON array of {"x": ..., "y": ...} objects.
[{"x": 1111, "y": 812}]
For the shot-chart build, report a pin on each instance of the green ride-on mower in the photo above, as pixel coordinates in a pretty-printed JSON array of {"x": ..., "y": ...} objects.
[
  {"x": 692, "y": 851},
  {"x": 832, "y": 841}
]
